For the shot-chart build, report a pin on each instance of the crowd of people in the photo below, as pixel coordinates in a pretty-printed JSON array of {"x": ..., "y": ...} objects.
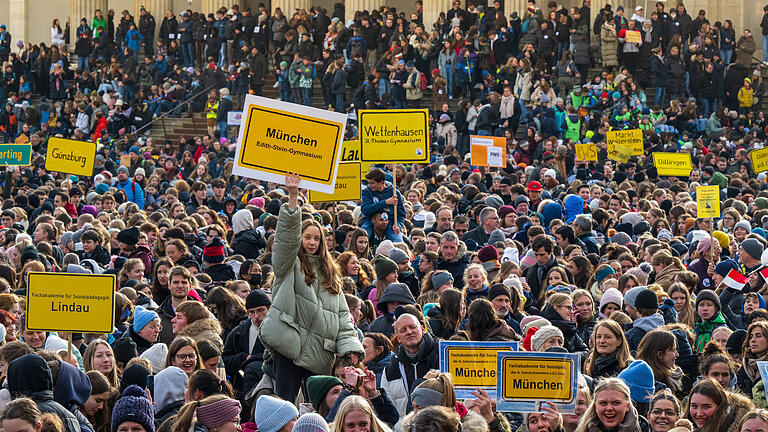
[{"x": 241, "y": 305}]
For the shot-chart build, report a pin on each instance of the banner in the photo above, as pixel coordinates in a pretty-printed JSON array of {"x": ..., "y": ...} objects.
[
  {"x": 488, "y": 151},
  {"x": 234, "y": 118},
  {"x": 672, "y": 164},
  {"x": 70, "y": 156},
  {"x": 78, "y": 303},
  {"x": 759, "y": 160},
  {"x": 708, "y": 201},
  {"x": 628, "y": 138},
  {"x": 586, "y": 152},
  {"x": 16, "y": 154},
  {"x": 280, "y": 137},
  {"x": 526, "y": 379},
  {"x": 397, "y": 135},
  {"x": 472, "y": 365},
  {"x": 348, "y": 187}
]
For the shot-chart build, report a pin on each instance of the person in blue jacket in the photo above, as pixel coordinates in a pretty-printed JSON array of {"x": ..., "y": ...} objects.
[
  {"x": 133, "y": 39},
  {"x": 377, "y": 196},
  {"x": 133, "y": 191}
]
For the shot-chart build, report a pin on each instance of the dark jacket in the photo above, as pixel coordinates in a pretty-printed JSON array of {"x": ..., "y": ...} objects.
[
  {"x": 249, "y": 243},
  {"x": 534, "y": 276},
  {"x": 72, "y": 390},
  {"x": 141, "y": 343},
  {"x": 30, "y": 376},
  {"x": 571, "y": 340},
  {"x": 245, "y": 372},
  {"x": 100, "y": 255},
  {"x": 475, "y": 238},
  {"x": 394, "y": 293},
  {"x": 143, "y": 253},
  {"x": 435, "y": 315},
  {"x": 393, "y": 381},
  {"x": 456, "y": 266},
  {"x": 640, "y": 327},
  {"x": 220, "y": 272}
]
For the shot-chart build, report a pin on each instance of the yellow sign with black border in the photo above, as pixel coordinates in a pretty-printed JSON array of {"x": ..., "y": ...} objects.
[
  {"x": 78, "y": 303},
  {"x": 347, "y": 188},
  {"x": 396, "y": 136},
  {"x": 70, "y": 156}
]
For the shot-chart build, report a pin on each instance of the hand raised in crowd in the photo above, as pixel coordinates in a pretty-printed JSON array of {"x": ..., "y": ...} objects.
[
  {"x": 292, "y": 181},
  {"x": 483, "y": 405}
]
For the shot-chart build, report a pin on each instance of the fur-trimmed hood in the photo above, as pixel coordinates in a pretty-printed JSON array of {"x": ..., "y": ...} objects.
[{"x": 204, "y": 329}]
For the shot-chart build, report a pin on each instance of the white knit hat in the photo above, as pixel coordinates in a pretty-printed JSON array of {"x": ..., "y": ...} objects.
[
  {"x": 544, "y": 334},
  {"x": 156, "y": 355}
]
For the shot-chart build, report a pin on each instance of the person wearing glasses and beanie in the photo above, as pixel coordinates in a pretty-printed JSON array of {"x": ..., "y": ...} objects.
[{"x": 145, "y": 329}]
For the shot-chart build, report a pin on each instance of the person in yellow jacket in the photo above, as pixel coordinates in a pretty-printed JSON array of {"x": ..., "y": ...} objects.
[
  {"x": 211, "y": 112},
  {"x": 746, "y": 96}
]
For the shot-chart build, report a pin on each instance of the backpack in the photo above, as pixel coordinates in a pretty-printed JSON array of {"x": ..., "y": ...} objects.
[
  {"x": 356, "y": 46},
  {"x": 423, "y": 83}
]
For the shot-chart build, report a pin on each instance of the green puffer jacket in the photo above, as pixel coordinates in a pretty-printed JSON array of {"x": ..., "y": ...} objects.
[{"x": 306, "y": 324}]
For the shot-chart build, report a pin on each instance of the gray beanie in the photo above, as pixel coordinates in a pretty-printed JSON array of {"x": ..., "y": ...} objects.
[
  {"x": 631, "y": 295},
  {"x": 743, "y": 224},
  {"x": 753, "y": 247},
  {"x": 311, "y": 422},
  {"x": 397, "y": 255},
  {"x": 544, "y": 334},
  {"x": 494, "y": 201},
  {"x": 440, "y": 279},
  {"x": 621, "y": 238},
  {"x": 496, "y": 236}
]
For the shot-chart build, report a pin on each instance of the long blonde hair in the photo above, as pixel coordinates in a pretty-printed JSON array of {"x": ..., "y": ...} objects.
[
  {"x": 90, "y": 351},
  {"x": 351, "y": 403},
  {"x": 607, "y": 384}
]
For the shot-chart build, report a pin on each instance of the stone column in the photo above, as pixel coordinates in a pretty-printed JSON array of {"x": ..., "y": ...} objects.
[
  {"x": 79, "y": 9},
  {"x": 518, "y": 6},
  {"x": 209, "y": 6},
  {"x": 17, "y": 22},
  {"x": 432, "y": 11},
  {"x": 352, "y": 6},
  {"x": 289, "y": 6}
]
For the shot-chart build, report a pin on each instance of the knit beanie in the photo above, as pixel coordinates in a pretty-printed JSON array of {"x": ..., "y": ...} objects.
[
  {"x": 257, "y": 298},
  {"x": 498, "y": 290},
  {"x": 218, "y": 413},
  {"x": 744, "y": 224},
  {"x": 383, "y": 266},
  {"x": 128, "y": 236},
  {"x": 496, "y": 236},
  {"x": 318, "y": 387},
  {"x": 710, "y": 295},
  {"x": 125, "y": 350},
  {"x": 722, "y": 238},
  {"x": 682, "y": 425},
  {"x": 384, "y": 248},
  {"x": 533, "y": 321},
  {"x": 736, "y": 341},
  {"x": 440, "y": 279},
  {"x": 397, "y": 255},
  {"x": 311, "y": 422},
  {"x": 611, "y": 295},
  {"x": 142, "y": 317},
  {"x": 646, "y": 299},
  {"x": 488, "y": 253},
  {"x": 133, "y": 406},
  {"x": 135, "y": 374},
  {"x": 724, "y": 267},
  {"x": 753, "y": 247},
  {"x": 271, "y": 413},
  {"x": 704, "y": 245},
  {"x": 638, "y": 376},
  {"x": 631, "y": 296},
  {"x": 604, "y": 273},
  {"x": 544, "y": 334},
  {"x": 529, "y": 333},
  {"x": 214, "y": 252},
  {"x": 156, "y": 355}
]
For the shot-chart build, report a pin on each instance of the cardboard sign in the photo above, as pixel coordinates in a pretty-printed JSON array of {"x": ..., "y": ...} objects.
[
  {"x": 70, "y": 156},
  {"x": 628, "y": 138},
  {"x": 234, "y": 118},
  {"x": 472, "y": 365},
  {"x": 526, "y": 379},
  {"x": 15, "y": 154},
  {"x": 397, "y": 135},
  {"x": 280, "y": 137},
  {"x": 79, "y": 303},
  {"x": 759, "y": 160},
  {"x": 586, "y": 152},
  {"x": 633, "y": 36},
  {"x": 708, "y": 201},
  {"x": 347, "y": 187},
  {"x": 125, "y": 160},
  {"x": 488, "y": 151},
  {"x": 672, "y": 164}
]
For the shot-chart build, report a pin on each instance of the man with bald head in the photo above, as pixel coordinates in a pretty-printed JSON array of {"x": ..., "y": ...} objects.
[{"x": 418, "y": 353}]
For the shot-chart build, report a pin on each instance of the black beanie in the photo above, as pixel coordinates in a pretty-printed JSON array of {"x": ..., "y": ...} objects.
[
  {"x": 646, "y": 299},
  {"x": 257, "y": 298},
  {"x": 736, "y": 341},
  {"x": 710, "y": 295},
  {"x": 497, "y": 290}
]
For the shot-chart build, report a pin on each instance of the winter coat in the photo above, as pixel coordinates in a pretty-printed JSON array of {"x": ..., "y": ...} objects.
[
  {"x": 434, "y": 315},
  {"x": 571, "y": 340},
  {"x": 640, "y": 327},
  {"x": 204, "y": 329},
  {"x": 378, "y": 366},
  {"x": 307, "y": 324},
  {"x": 412, "y": 86},
  {"x": 447, "y": 130},
  {"x": 220, "y": 272},
  {"x": 745, "y": 48},
  {"x": 235, "y": 358},
  {"x": 456, "y": 266},
  {"x": 659, "y": 72},
  {"x": 395, "y": 293},
  {"x": 249, "y": 243},
  {"x": 397, "y": 386},
  {"x": 609, "y": 45}
]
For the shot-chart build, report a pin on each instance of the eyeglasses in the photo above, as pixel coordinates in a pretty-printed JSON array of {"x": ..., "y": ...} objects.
[
  {"x": 668, "y": 413},
  {"x": 183, "y": 357},
  {"x": 157, "y": 327}
]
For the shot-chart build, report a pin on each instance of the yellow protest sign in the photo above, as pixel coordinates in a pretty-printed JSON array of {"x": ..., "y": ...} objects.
[
  {"x": 708, "y": 201},
  {"x": 672, "y": 164},
  {"x": 347, "y": 187},
  {"x": 628, "y": 138},
  {"x": 80, "y": 303},
  {"x": 279, "y": 137},
  {"x": 70, "y": 156},
  {"x": 400, "y": 135},
  {"x": 633, "y": 36},
  {"x": 350, "y": 152},
  {"x": 586, "y": 152},
  {"x": 759, "y": 160},
  {"x": 472, "y": 365},
  {"x": 526, "y": 377},
  {"x": 488, "y": 151},
  {"x": 125, "y": 160}
]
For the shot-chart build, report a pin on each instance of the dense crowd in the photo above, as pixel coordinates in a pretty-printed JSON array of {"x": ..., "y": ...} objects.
[{"x": 242, "y": 306}]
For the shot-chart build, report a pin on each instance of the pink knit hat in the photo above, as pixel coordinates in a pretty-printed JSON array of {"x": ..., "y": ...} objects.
[
  {"x": 218, "y": 413},
  {"x": 258, "y": 202}
]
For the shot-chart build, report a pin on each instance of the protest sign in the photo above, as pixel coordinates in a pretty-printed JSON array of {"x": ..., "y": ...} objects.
[
  {"x": 620, "y": 152},
  {"x": 708, "y": 201},
  {"x": 15, "y": 154},
  {"x": 586, "y": 152},
  {"x": 350, "y": 152},
  {"x": 759, "y": 160},
  {"x": 633, "y": 36},
  {"x": 672, "y": 164},
  {"x": 280, "y": 137},
  {"x": 125, "y": 160},
  {"x": 234, "y": 118},
  {"x": 347, "y": 187},
  {"x": 398, "y": 135},
  {"x": 80, "y": 303},
  {"x": 70, "y": 156},
  {"x": 526, "y": 379},
  {"x": 472, "y": 365},
  {"x": 488, "y": 151},
  {"x": 628, "y": 138}
]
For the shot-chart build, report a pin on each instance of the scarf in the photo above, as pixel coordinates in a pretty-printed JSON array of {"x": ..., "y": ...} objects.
[
  {"x": 676, "y": 379},
  {"x": 631, "y": 423},
  {"x": 750, "y": 365},
  {"x": 604, "y": 364}
]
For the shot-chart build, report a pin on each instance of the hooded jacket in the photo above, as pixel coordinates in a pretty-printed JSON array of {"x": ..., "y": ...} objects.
[
  {"x": 640, "y": 327},
  {"x": 247, "y": 242},
  {"x": 306, "y": 323},
  {"x": 30, "y": 376},
  {"x": 72, "y": 390},
  {"x": 571, "y": 340},
  {"x": 397, "y": 292},
  {"x": 204, "y": 329},
  {"x": 399, "y": 387},
  {"x": 456, "y": 266},
  {"x": 170, "y": 385},
  {"x": 236, "y": 358}
]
